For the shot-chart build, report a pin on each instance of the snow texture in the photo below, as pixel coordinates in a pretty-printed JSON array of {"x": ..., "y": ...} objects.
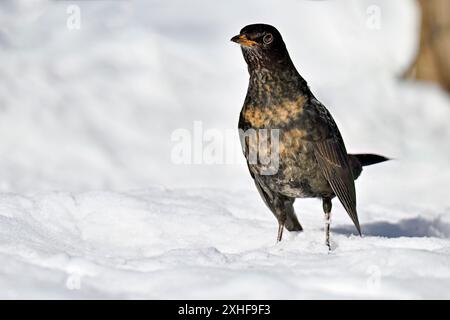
[{"x": 92, "y": 206}]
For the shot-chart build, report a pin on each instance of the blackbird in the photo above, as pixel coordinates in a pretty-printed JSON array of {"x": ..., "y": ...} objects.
[{"x": 312, "y": 161}]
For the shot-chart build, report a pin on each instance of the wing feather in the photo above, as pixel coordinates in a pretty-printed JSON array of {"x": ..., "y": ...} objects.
[{"x": 333, "y": 161}]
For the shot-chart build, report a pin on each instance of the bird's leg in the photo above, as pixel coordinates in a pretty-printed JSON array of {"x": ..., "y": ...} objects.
[
  {"x": 282, "y": 209},
  {"x": 280, "y": 231},
  {"x": 281, "y": 217},
  {"x": 281, "y": 222},
  {"x": 327, "y": 210}
]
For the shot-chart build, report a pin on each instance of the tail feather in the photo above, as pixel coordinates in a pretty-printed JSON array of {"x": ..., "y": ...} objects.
[
  {"x": 358, "y": 161},
  {"x": 367, "y": 159}
]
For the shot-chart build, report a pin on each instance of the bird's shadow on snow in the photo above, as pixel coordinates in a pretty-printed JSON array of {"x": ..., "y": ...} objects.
[{"x": 412, "y": 227}]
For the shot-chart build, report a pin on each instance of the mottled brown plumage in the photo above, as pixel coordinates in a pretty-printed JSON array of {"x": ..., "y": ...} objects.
[{"x": 312, "y": 158}]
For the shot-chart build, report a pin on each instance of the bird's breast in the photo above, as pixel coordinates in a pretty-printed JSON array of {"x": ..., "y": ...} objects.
[
  {"x": 273, "y": 115},
  {"x": 291, "y": 167}
]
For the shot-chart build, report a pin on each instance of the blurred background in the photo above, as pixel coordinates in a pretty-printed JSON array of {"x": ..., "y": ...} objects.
[{"x": 91, "y": 91}]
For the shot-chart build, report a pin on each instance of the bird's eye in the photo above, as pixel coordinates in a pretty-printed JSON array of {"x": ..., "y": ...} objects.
[{"x": 268, "y": 38}]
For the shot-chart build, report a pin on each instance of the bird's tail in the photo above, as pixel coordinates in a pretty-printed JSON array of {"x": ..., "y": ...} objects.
[{"x": 367, "y": 159}]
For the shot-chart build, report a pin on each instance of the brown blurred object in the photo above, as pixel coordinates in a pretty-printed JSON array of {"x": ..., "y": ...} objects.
[{"x": 433, "y": 59}]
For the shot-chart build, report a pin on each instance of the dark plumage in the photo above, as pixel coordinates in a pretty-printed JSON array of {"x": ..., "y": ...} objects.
[{"x": 313, "y": 161}]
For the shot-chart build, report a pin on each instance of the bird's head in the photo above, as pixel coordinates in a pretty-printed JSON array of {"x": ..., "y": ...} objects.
[
  {"x": 262, "y": 46},
  {"x": 258, "y": 36}
]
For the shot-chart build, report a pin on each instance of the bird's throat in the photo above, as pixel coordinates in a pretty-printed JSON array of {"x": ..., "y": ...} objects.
[{"x": 268, "y": 87}]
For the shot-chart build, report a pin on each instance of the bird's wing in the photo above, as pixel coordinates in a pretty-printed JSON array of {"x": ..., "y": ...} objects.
[
  {"x": 334, "y": 164},
  {"x": 330, "y": 152}
]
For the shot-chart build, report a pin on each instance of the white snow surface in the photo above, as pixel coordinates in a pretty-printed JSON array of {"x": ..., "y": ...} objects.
[{"x": 91, "y": 205}]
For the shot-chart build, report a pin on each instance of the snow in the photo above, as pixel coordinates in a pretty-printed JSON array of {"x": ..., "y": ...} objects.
[
  {"x": 162, "y": 243},
  {"x": 92, "y": 206}
]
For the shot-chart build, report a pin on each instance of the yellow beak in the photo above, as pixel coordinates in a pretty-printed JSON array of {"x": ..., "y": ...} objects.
[{"x": 243, "y": 41}]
